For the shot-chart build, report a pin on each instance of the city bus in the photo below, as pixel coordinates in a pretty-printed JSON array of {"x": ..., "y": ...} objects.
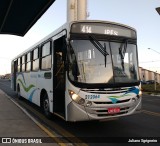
[{"x": 85, "y": 70}]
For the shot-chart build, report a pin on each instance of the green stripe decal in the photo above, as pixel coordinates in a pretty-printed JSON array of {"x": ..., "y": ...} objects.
[{"x": 26, "y": 88}]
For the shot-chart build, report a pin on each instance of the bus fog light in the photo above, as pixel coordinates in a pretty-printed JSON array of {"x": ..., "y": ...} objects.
[
  {"x": 81, "y": 101},
  {"x": 133, "y": 99},
  {"x": 89, "y": 103}
]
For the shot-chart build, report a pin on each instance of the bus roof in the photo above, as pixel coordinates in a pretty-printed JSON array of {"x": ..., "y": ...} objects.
[{"x": 66, "y": 26}]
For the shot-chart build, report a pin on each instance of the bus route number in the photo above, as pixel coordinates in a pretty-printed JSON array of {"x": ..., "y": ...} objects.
[{"x": 86, "y": 29}]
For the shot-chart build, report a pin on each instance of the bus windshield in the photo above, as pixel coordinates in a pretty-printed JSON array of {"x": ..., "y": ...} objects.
[{"x": 87, "y": 64}]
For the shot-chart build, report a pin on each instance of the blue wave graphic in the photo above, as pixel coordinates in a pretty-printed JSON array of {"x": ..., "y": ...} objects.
[
  {"x": 133, "y": 90},
  {"x": 114, "y": 100},
  {"x": 31, "y": 95}
]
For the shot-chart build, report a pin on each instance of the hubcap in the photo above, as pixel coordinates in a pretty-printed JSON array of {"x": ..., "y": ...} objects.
[{"x": 46, "y": 105}]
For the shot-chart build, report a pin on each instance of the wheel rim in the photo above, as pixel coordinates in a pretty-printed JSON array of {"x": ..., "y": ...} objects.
[{"x": 46, "y": 105}]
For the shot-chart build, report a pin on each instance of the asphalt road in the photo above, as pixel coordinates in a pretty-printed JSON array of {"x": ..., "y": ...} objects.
[{"x": 145, "y": 125}]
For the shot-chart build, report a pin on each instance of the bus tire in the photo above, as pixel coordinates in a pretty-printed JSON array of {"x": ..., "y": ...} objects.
[
  {"x": 45, "y": 106},
  {"x": 19, "y": 92}
]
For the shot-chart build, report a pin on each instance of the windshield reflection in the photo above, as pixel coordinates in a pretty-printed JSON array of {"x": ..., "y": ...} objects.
[
  {"x": 126, "y": 68},
  {"x": 88, "y": 65}
]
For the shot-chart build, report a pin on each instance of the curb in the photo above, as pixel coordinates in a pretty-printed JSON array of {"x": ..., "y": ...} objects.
[{"x": 53, "y": 136}]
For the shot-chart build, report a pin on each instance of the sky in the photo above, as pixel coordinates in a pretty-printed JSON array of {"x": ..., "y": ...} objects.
[{"x": 139, "y": 14}]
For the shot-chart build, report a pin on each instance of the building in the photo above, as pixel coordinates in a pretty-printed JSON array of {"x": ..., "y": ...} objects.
[
  {"x": 7, "y": 76},
  {"x": 146, "y": 75}
]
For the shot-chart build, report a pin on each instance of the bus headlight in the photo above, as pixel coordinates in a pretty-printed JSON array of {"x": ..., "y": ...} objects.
[
  {"x": 76, "y": 98},
  {"x": 140, "y": 93}
]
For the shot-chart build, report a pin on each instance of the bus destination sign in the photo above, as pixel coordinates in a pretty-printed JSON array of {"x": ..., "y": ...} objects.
[{"x": 103, "y": 28}]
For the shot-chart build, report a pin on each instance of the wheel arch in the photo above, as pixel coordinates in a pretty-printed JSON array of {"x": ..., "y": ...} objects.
[{"x": 18, "y": 87}]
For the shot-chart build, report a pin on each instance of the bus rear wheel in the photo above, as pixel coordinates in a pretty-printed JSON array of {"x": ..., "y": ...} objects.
[{"x": 45, "y": 106}]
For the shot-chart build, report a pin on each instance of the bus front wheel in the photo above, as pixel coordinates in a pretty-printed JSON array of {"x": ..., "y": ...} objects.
[{"x": 45, "y": 106}]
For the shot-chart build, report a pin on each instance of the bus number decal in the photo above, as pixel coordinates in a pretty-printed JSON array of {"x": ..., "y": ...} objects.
[
  {"x": 86, "y": 29},
  {"x": 92, "y": 96}
]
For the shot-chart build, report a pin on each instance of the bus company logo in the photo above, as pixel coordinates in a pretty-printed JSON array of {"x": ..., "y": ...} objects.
[
  {"x": 114, "y": 100},
  {"x": 6, "y": 140}
]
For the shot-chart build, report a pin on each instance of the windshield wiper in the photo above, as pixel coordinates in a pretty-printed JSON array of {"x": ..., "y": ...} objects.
[
  {"x": 123, "y": 45},
  {"x": 122, "y": 52},
  {"x": 99, "y": 46}
]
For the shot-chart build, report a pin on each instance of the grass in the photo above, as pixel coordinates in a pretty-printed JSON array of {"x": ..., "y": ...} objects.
[{"x": 150, "y": 88}]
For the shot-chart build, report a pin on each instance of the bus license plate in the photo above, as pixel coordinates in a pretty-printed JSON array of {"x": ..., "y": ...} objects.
[{"x": 113, "y": 110}]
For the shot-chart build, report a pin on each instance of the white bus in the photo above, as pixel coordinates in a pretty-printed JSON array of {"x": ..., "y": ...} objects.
[{"x": 85, "y": 70}]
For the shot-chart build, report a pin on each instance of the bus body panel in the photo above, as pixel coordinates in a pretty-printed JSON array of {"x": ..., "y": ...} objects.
[
  {"x": 28, "y": 86},
  {"x": 46, "y": 83}
]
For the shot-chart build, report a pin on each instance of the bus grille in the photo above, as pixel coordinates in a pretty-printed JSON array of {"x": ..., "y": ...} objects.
[
  {"x": 104, "y": 115},
  {"x": 110, "y": 102},
  {"x": 109, "y": 90}
]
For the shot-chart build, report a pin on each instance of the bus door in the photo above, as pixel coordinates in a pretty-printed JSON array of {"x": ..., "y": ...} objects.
[{"x": 59, "y": 78}]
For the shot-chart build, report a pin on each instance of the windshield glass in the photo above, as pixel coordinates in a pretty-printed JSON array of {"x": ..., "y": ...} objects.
[
  {"x": 89, "y": 65},
  {"x": 125, "y": 66}
]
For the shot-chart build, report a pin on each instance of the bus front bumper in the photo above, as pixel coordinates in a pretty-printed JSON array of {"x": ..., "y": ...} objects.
[{"x": 76, "y": 112}]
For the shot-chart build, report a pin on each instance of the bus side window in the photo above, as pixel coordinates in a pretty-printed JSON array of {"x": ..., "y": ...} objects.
[
  {"x": 28, "y": 61},
  {"x": 19, "y": 64},
  {"x": 46, "y": 61},
  {"x": 23, "y": 63},
  {"x": 35, "y": 59}
]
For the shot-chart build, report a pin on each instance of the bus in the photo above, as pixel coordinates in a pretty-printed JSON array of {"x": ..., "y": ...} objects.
[{"x": 85, "y": 70}]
